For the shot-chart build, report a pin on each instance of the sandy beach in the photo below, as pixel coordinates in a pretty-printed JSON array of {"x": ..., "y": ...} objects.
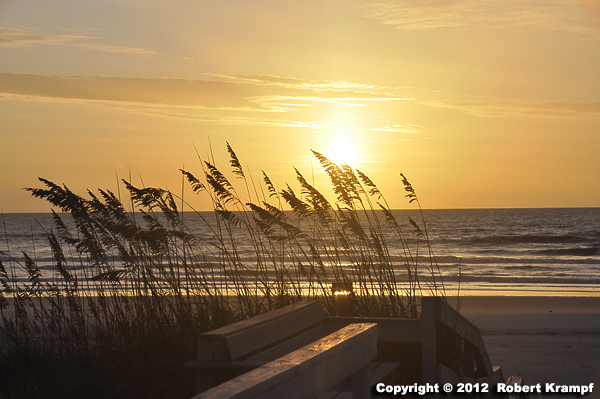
[{"x": 545, "y": 339}]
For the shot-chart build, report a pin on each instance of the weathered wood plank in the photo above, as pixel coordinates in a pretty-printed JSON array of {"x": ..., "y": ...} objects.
[
  {"x": 242, "y": 365},
  {"x": 335, "y": 395},
  {"x": 457, "y": 322},
  {"x": 388, "y": 329},
  {"x": 380, "y": 370},
  {"x": 292, "y": 344},
  {"x": 341, "y": 340},
  {"x": 468, "y": 362},
  {"x": 252, "y": 384},
  {"x": 451, "y": 318},
  {"x": 360, "y": 382},
  {"x": 429, "y": 316},
  {"x": 265, "y": 317},
  {"x": 463, "y": 327},
  {"x": 307, "y": 371},
  {"x": 209, "y": 353},
  {"x": 280, "y": 324}
]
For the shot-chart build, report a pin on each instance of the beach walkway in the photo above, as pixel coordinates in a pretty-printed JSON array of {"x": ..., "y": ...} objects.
[{"x": 282, "y": 350}]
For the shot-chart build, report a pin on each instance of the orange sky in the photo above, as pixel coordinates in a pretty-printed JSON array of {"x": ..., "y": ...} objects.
[{"x": 478, "y": 103}]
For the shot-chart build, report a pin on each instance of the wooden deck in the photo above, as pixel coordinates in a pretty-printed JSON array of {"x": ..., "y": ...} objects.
[{"x": 299, "y": 351}]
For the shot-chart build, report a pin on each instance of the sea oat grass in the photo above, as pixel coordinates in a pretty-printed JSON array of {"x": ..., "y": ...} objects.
[{"x": 131, "y": 289}]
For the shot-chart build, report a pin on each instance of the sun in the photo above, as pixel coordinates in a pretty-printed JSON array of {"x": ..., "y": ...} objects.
[{"x": 342, "y": 150}]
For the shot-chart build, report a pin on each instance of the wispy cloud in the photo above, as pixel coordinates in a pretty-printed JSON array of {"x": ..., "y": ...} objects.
[
  {"x": 230, "y": 94},
  {"x": 504, "y": 109},
  {"x": 317, "y": 85},
  {"x": 558, "y": 15},
  {"x": 285, "y": 103},
  {"x": 397, "y": 129},
  {"x": 117, "y": 49},
  {"x": 391, "y": 125},
  {"x": 13, "y": 36},
  {"x": 237, "y": 120},
  {"x": 23, "y": 37}
]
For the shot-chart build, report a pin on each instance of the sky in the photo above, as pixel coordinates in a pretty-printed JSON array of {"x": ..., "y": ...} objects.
[{"x": 481, "y": 104}]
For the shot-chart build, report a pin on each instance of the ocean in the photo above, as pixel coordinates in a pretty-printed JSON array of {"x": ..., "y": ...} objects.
[
  {"x": 479, "y": 251},
  {"x": 530, "y": 250}
]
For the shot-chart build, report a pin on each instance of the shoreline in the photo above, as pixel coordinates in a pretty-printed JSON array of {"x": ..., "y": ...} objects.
[{"x": 524, "y": 293}]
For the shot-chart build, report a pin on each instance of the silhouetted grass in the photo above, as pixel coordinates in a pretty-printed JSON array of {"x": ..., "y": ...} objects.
[{"x": 131, "y": 289}]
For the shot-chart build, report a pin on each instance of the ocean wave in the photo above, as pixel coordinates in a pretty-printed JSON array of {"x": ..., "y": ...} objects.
[
  {"x": 569, "y": 251},
  {"x": 527, "y": 260},
  {"x": 528, "y": 267},
  {"x": 524, "y": 279},
  {"x": 526, "y": 239}
]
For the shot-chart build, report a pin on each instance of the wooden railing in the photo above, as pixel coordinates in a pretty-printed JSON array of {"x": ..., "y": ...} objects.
[
  {"x": 311, "y": 370},
  {"x": 452, "y": 348},
  {"x": 439, "y": 318}
]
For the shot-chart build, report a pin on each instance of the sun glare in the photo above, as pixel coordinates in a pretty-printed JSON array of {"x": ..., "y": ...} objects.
[{"x": 342, "y": 150}]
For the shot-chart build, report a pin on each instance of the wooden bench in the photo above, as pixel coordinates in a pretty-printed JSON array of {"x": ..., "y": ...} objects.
[
  {"x": 311, "y": 370},
  {"x": 230, "y": 351}
]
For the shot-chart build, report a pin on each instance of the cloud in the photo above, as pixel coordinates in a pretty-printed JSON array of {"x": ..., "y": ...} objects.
[
  {"x": 11, "y": 36},
  {"x": 274, "y": 80},
  {"x": 173, "y": 92},
  {"x": 563, "y": 109},
  {"x": 117, "y": 49},
  {"x": 558, "y": 15},
  {"x": 391, "y": 125},
  {"x": 238, "y": 93},
  {"x": 286, "y": 93},
  {"x": 504, "y": 109},
  {"x": 236, "y": 120},
  {"x": 398, "y": 128},
  {"x": 22, "y": 37}
]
